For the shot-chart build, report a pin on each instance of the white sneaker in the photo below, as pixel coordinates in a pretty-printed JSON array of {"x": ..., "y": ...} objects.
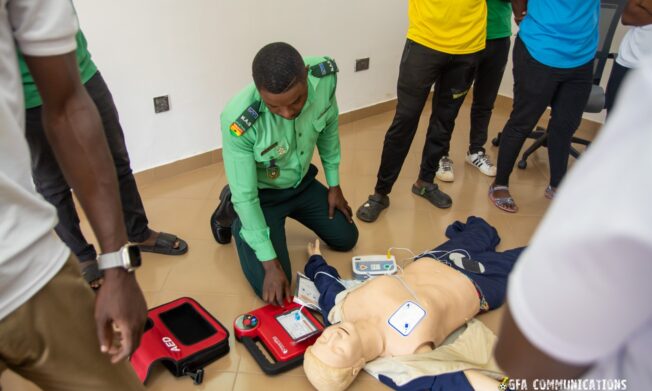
[
  {"x": 481, "y": 162},
  {"x": 445, "y": 170}
]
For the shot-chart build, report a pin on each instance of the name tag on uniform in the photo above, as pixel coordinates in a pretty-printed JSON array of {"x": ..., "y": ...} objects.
[{"x": 406, "y": 318}]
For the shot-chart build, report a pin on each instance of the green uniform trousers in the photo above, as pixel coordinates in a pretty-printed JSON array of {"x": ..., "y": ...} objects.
[{"x": 308, "y": 204}]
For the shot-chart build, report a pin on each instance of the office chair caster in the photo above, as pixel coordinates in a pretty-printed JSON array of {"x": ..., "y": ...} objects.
[{"x": 522, "y": 164}]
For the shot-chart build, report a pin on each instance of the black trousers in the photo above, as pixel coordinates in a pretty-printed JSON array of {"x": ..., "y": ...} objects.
[
  {"x": 420, "y": 68},
  {"x": 488, "y": 76},
  {"x": 618, "y": 73},
  {"x": 49, "y": 180},
  {"x": 537, "y": 86}
]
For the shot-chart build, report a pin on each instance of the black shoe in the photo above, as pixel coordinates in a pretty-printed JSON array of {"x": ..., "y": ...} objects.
[
  {"x": 432, "y": 193},
  {"x": 223, "y": 217},
  {"x": 370, "y": 210}
]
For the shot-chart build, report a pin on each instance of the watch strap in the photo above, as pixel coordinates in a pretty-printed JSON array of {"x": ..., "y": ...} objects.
[{"x": 110, "y": 260}]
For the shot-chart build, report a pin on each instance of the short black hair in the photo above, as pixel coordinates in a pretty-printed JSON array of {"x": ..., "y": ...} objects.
[{"x": 277, "y": 67}]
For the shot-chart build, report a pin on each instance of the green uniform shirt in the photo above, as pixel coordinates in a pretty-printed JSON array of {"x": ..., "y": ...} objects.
[
  {"x": 499, "y": 19},
  {"x": 275, "y": 153},
  {"x": 86, "y": 70}
]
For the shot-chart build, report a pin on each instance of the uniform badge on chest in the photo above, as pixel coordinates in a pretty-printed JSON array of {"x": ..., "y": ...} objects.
[{"x": 273, "y": 170}]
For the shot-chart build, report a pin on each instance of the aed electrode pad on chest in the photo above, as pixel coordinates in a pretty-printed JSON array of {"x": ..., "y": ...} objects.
[{"x": 406, "y": 318}]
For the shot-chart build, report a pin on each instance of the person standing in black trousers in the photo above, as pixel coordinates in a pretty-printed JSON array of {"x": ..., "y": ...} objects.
[
  {"x": 553, "y": 66},
  {"x": 488, "y": 76},
  {"x": 51, "y": 184},
  {"x": 442, "y": 48}
]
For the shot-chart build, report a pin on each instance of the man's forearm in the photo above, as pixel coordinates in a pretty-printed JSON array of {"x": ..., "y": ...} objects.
[
  {"x": 77, "y": 139},
  {"x": 519, "y": 8},
  {"x": 646, "y": 5},
  {"x": 74, "y": 130},
  {"x": 637, "y": 13}
]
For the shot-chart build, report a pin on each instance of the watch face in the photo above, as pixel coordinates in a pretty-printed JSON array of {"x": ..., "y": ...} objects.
[{"x": 134, "y": 256}]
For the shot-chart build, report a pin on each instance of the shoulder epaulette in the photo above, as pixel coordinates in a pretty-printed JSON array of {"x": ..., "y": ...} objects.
[
  {"x": 324, "y": 68},
  {"x": 245, "y": 120}
]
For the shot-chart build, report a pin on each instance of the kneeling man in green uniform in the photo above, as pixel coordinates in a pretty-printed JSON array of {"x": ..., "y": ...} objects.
[{"x": 269, "y": 133}]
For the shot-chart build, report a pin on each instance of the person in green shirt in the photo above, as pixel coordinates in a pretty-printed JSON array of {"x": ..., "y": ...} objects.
[
  {"x": 50, "y": 182},
  {"x": 269, "y": 133},
  {"x": 488, "y": 76}
]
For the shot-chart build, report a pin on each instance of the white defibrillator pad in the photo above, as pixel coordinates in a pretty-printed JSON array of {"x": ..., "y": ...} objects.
[
  {"x": 306, "y": 293},
  {"x": 406, "y": 318}
]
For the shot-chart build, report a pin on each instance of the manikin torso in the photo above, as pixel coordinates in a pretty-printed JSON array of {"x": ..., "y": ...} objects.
[{"x": 448, "y": 297}]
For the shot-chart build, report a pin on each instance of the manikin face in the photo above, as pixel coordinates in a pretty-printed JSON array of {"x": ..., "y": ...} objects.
[
  {"x": 339, "y": 346},
  {"x": 287, "y": 104}
]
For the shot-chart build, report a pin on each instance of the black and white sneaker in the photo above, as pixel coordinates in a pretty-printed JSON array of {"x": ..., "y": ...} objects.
[
  {"x": 445, "y": 170},
  {"x": 481, "y": 161}
]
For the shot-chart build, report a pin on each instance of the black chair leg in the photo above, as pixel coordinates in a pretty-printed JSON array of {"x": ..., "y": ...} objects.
[
  {"x": 522, "y": 164},
  {"x": 574, "y": 152},
  {"x": 496, "y": 140}
]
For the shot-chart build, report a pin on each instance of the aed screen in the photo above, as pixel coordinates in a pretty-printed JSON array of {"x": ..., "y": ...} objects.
[
  {"x": 296, "y": 324},
  {"x": 187, "y": 325}
]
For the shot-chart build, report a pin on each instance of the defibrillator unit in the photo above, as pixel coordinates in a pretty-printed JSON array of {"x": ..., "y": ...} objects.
[
  {"x": 284, "y": 332},
  {"x": 182, "y": 336}
]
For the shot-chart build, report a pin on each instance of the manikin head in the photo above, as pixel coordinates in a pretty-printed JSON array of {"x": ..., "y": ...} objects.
[
  {"x": 336, "y": 358},
  {"x": 281, "y": 79}
]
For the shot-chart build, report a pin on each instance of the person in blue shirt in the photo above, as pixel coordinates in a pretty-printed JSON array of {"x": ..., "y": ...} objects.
[{"x": 553, "y": 66}]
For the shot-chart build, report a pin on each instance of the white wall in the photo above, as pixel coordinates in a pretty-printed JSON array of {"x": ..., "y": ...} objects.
[{"x": 200, "y": 51}]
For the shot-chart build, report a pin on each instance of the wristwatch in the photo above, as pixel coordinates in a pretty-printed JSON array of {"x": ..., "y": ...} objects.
[{"x": 128, "y": 257}]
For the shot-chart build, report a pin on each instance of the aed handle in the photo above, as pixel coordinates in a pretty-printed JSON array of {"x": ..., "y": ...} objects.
[{"x": 270, "y": 368}]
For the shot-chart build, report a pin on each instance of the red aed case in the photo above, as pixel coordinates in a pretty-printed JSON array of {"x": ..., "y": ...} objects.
[
  {"x": 183, "y": 336},
  {"x": 285, "y": 332}
]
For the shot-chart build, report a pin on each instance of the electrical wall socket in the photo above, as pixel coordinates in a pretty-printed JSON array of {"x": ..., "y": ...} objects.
[
  {"x": 362, "y": 64},
  {"x": 161, "y": 104}
]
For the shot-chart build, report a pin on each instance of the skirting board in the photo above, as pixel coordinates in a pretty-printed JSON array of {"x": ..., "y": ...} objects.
[{"x": 588, "y": 128}]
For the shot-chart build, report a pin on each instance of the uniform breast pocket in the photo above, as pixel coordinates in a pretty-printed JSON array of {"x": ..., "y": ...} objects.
[{"x": 274, "y": 152}]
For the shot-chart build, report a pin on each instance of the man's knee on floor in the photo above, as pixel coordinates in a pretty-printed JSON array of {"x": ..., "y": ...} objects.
[{"x": 346, "y": 240}]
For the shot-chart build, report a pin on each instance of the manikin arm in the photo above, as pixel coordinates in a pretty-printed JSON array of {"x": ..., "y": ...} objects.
[{"x": 325, "y": 278}]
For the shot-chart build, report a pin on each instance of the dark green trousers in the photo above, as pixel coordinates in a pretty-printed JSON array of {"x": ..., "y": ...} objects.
[{"x": 308, "y": 204}]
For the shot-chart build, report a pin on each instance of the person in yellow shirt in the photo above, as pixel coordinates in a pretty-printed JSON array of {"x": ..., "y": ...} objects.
[{"x": 444, "y": 40}]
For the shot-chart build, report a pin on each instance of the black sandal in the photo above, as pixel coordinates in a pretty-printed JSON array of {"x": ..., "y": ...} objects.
[
  {"x": 370, "y": 210},
  {"x": 91, "y": 273},
  {"x": 165, "y": 245}
]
